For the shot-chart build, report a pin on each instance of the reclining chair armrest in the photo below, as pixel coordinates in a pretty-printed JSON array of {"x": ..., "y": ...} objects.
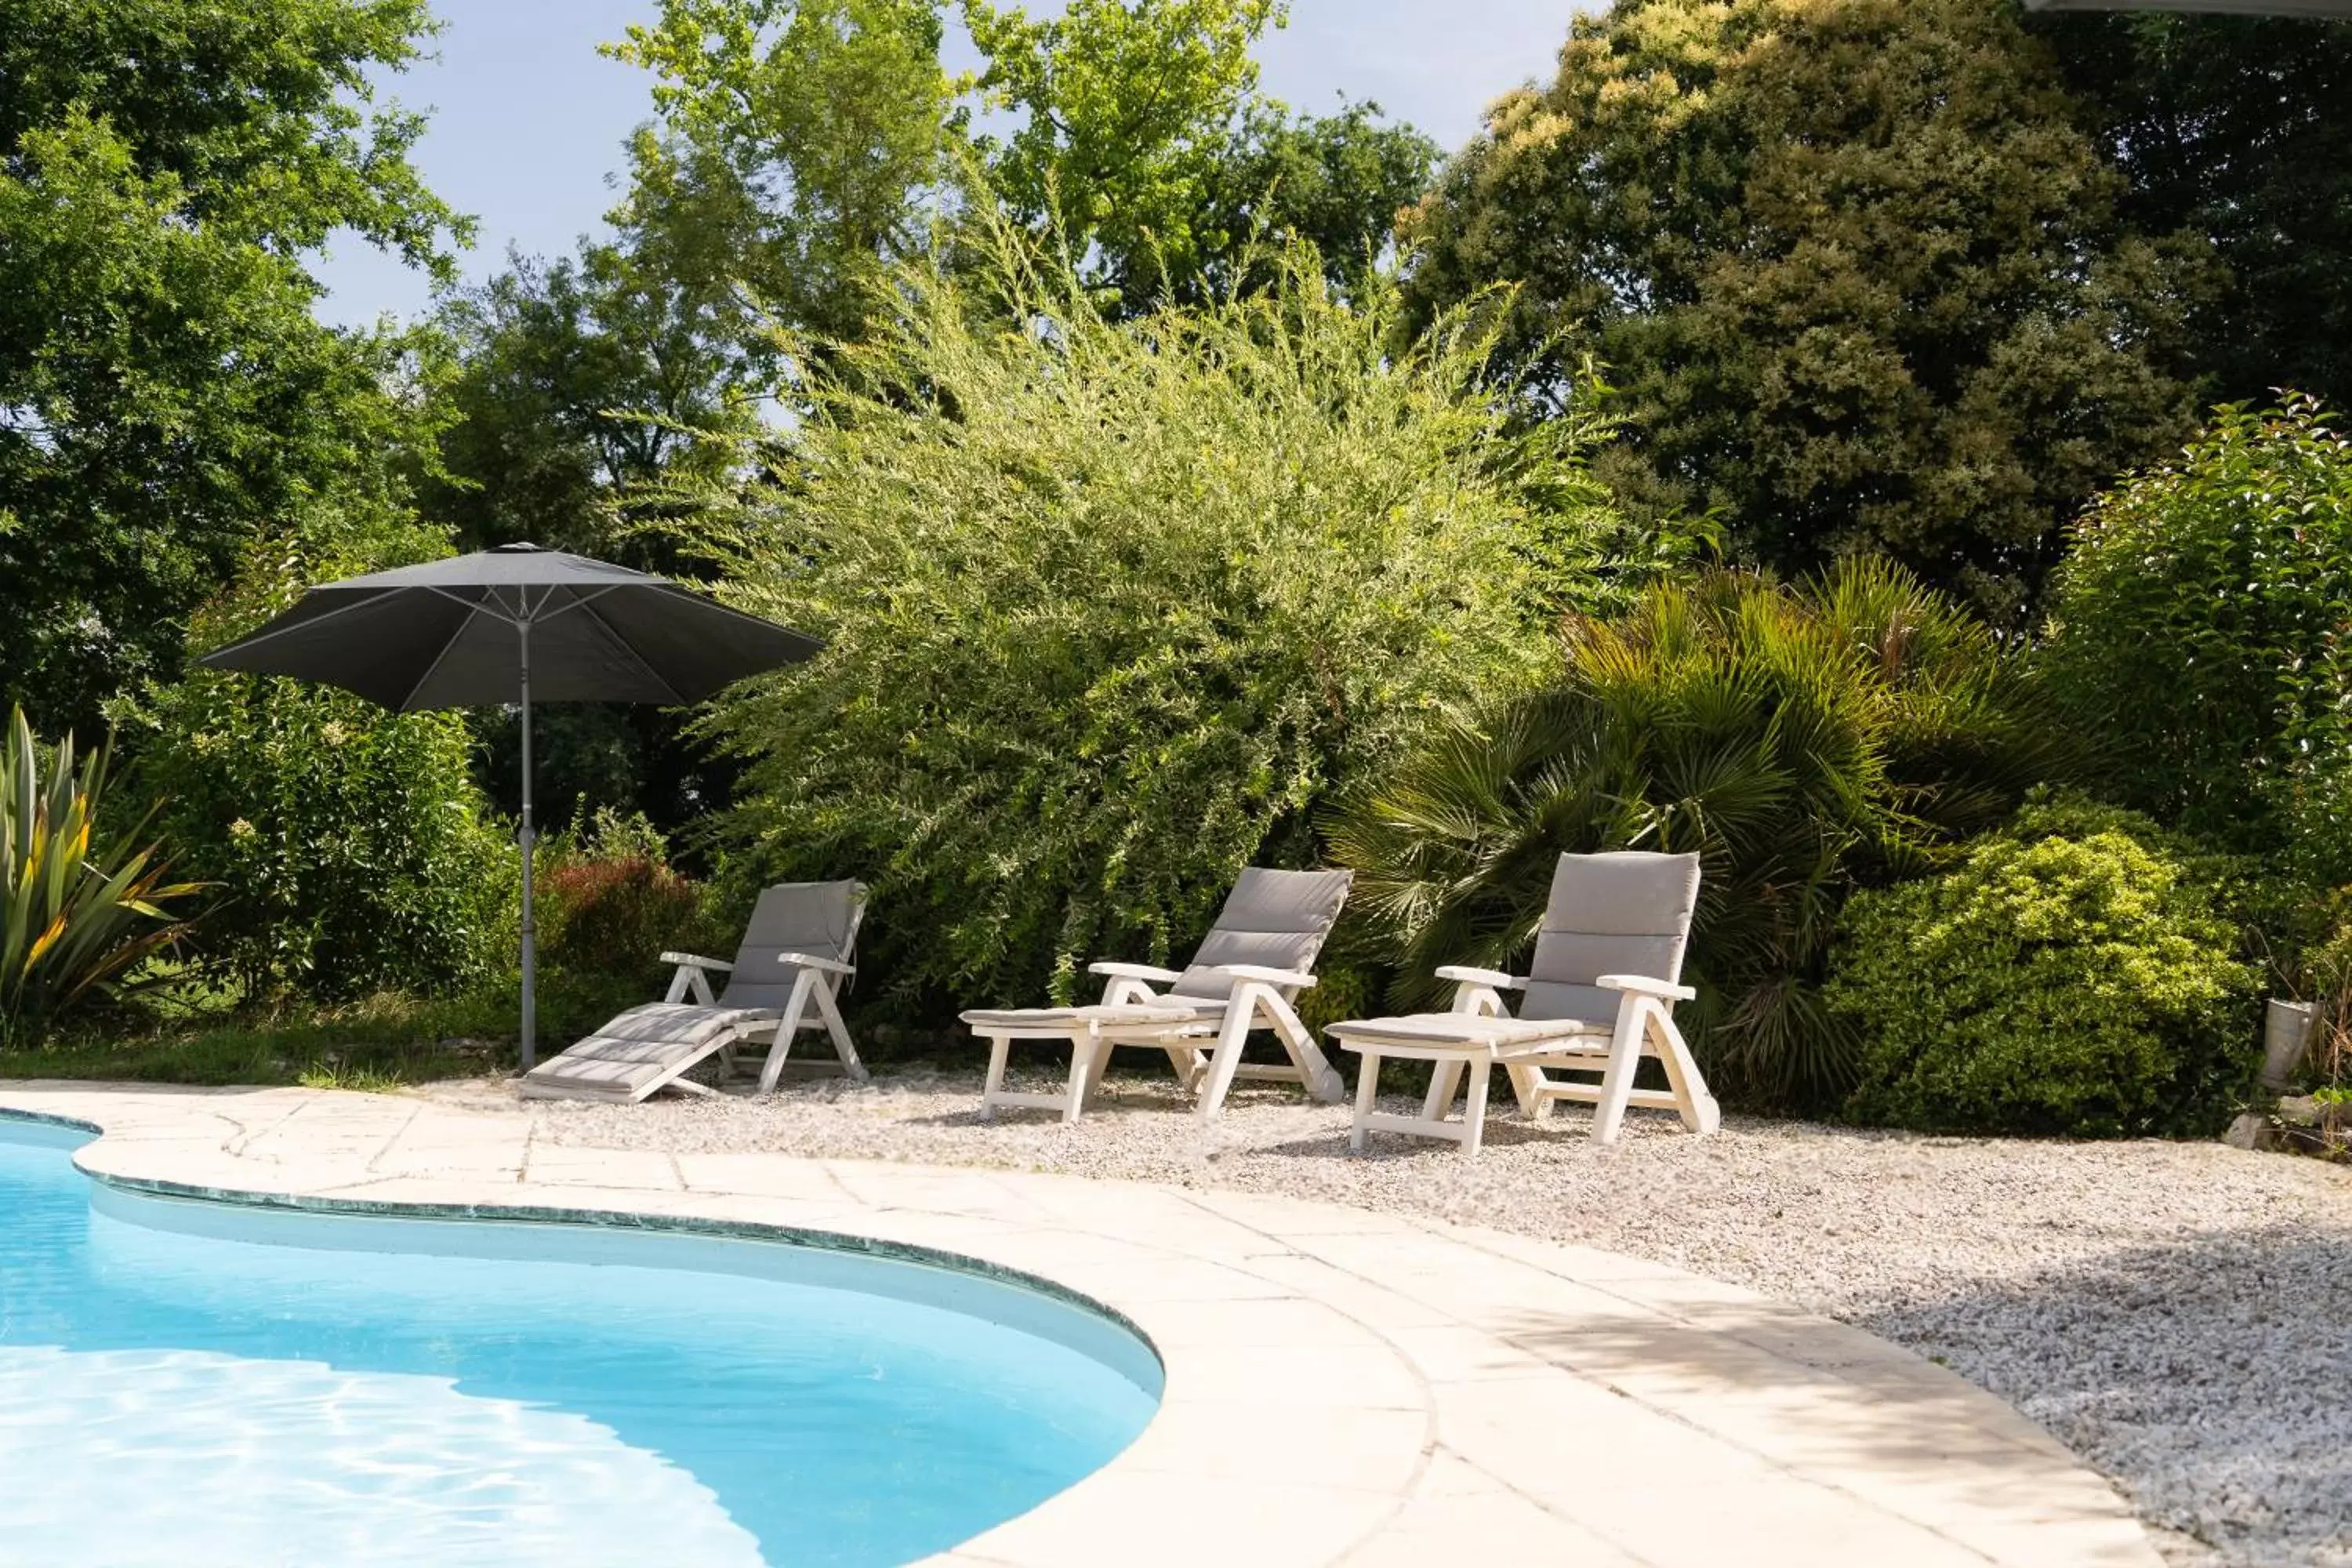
[
  {"x": 1664, "y": 990},
  {"x": 811, "y": 961},
  {"x": 1468, "y": 974},
  {"x": 1260, "y": 973},
  {"x": 689, "y": 961},
  {"x": 1118, "y": 970}
]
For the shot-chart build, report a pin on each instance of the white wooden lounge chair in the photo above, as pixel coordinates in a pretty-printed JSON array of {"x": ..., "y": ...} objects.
[
  {"x": 1246, "y": 976},
  {"x": 799, "y": 945},
  {"x": 1598, "y": 998}
]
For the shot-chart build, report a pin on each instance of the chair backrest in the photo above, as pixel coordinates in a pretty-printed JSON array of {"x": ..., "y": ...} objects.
[
  {"x": 1627, "y": 913},
  {"x": 1277, "y": 918},
  {"x": 816, "y": 918}
]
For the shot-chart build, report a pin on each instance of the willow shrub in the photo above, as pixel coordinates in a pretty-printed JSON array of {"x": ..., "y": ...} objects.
[
  {"x": 352, "y": 849},
  {"x": 2200, "y": 629},
  {"x": 2077, "y": 973},
  {"x": 1110, "y": 608},
  {"x": 1805, "y": 740}
]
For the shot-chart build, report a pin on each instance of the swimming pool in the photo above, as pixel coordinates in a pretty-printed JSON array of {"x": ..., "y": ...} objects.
[{"x": 191, "y": 1383}]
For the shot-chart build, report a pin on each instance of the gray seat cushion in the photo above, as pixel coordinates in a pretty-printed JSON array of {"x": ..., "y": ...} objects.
[
  {"x": 815, "y": 918},
  {"x": 1278, "y": 919},
  {"x": 1047, "y": 1021},
  {"x": 1462, "y": 1030},
  {"x": 1624, "y": 912}
]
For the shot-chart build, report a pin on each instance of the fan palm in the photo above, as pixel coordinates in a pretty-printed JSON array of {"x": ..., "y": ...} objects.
[{"x": 1805, "y": 740}]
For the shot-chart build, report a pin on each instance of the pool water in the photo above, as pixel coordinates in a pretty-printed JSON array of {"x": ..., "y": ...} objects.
[{"x": 195, "y": 1383}]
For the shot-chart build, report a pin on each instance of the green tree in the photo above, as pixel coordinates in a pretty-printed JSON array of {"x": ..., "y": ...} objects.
[
  {"x": 1804, "y": 741},
  {"x": 2200, "y": 627},
  {"x": 1143, "y": 142},
  {"x": 2233, "y": 128},
  {"x": 165, "y": 394},
  {"x": 1110, "y": 608},
  {"x": 1861, "y": 277},
  {"x": 797, "y": 140}
]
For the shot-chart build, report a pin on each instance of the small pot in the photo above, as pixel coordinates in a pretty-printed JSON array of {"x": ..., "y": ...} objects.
[{"x": 2286, "y": 1041}]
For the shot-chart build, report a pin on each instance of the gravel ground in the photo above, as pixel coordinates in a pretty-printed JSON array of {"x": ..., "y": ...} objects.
[{"x": 2180, "y": 1314}]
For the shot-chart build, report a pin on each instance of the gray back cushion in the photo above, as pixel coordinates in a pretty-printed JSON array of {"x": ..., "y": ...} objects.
[
  {"x": 819, "y": 918},
  {"x": 1276, "y": 919},
  {"x": 1627, "y": 913}
]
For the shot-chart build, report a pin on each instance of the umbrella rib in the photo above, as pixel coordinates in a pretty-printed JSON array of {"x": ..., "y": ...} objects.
[
  {"x": 256, "y": 638},
  {"x": 472, "y": 608},
  {"x": 623, "y": 644},
  {"x": 578, "y": 602}
]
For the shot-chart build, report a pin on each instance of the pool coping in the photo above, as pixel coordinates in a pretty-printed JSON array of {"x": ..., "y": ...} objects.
[{"x": 1342, "y": 1386}]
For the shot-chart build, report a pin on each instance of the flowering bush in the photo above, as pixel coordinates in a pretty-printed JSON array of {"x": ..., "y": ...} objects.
[{"x": 353, "y": 851}]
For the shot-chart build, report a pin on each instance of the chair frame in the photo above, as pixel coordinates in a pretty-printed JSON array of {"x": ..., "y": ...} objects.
[
  {"x": 1645, "y": 1025},
  {"x": 1206, "y": 1052},
  {"x": 814, "y": 1004}
]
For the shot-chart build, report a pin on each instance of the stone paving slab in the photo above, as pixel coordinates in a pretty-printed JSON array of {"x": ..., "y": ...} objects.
[{"x": 1342, "y": 1387}]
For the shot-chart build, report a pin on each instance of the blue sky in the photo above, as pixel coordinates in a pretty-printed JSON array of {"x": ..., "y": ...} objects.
[{"x": 528, "y": 119}]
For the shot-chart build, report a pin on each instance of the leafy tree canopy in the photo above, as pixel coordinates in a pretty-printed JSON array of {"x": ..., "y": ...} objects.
[
  {"x": 797, "y": 138},
  {"x": 811, "y": 143},
  {"x": 165, "y": 394},
  {"x": 1861, "y": 277},
  {"x": 2235, "y": 127}
]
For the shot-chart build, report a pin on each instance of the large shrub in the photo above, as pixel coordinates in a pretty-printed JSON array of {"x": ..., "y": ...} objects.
[
  {"x": 1804, "y": 740},
  {"x": 610, "y": 904},
  {"x": 81, "y": 902},
  {"x": 1109, "y": 608},
  {"x": 352, "y": 849},
  {"x": 2077, "y": 973},
  {"x": 2200, "y": 626}
]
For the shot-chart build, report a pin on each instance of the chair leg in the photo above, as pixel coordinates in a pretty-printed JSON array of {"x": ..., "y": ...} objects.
[
  {"x": 1315, "y": 1070},
  {"x": 999, "y": 1048},
  {"x": 1698, "y": 1106},
  {"x": 1083, "y": 1051},
  {"x": 829, "y": 1006},
  {"x": 1224, "y": 1062},
  {"x": 1445, "y": 1082},
  {"x": 1473, "y": 1105},
  {"x": 795, "y": 1008},
  {"x": 1617, "y": 1081},
  {"x": 1101, "y": 1065},
  {"x": 1368, "y": 1089}
]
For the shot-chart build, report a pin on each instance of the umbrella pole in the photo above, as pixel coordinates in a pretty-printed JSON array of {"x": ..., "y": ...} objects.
[{"x": 529, "y": 838}]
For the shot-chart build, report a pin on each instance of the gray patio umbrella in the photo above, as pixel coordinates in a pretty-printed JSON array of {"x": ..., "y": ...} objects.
[{"x": 515, "y": 623}]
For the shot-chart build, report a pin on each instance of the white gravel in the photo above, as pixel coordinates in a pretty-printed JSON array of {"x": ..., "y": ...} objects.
[{"x": 2180, "y": 1314}]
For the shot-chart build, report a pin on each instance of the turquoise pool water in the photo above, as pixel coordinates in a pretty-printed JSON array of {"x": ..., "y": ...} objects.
[{"x": 196, "y": 1384}]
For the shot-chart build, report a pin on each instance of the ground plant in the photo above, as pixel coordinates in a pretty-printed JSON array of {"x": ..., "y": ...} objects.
[
  {"x": 83, "y": 900},
  {"x": 1805, "y": 740},
  {"x": 1111, "y": 607},
  {"x": 2077, "y": 974}
]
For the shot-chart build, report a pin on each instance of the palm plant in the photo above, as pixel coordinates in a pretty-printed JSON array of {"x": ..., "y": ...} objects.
[
  {"x": 1804, "y": 740},
  {"x": 79, "y": 907}
]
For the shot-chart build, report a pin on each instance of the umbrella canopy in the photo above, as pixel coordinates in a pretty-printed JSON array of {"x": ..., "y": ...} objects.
[
  {"x": 454, "y": 634},
  {"x": 516, "y": 624}
]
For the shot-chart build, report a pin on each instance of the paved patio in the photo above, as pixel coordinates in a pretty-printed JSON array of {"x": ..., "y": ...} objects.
[{"x": 1343, "y": 1387}]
